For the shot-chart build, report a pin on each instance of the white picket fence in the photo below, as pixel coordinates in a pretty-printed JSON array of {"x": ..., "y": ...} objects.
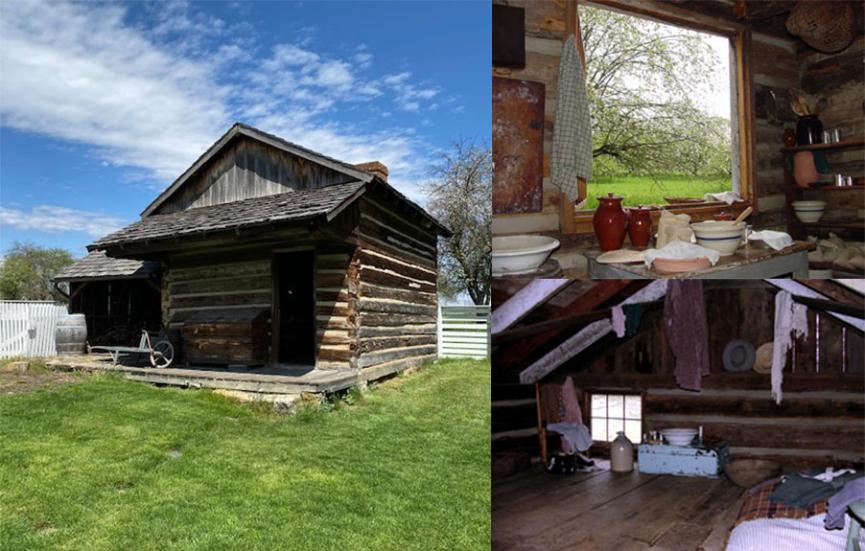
[
  {"x": 27, "y": 327},
  {"x": 464, "y": 331}
]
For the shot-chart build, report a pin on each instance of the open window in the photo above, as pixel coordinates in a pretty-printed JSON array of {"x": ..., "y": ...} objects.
[{"x": 670, "y": 110}]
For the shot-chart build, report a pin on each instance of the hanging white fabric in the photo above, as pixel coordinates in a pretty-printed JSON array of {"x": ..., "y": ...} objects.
[{"x": 791, "y": 322}]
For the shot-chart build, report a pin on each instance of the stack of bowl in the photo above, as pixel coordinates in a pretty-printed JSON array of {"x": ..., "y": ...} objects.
[
  {"x": 809, "y": 212},
  {"x": 722, "y": 236}
]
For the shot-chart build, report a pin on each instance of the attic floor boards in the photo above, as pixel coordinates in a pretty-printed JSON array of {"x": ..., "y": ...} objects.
[
  {"x": 604, "y": 510},
  {"x": 281, "y": 379}
]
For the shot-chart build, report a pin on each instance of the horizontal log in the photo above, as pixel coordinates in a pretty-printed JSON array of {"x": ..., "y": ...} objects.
[
  {"x": 328, "y": 294},
  {"x": 378, "y": 319},
  {"x": 329, "y": 280},
  {"x": 335, "y": 354},
  {"x": 341, "y": 309},
  {"x": 374, "y": 224},
  {"x": 741, "y": 381},
  {"x": 332, "y": 261},
  {"x": 220, "y": 284},
  {"x": 237, "y": 269},
  {"x": 382, "y": 343},
  {"x": 395, "y": 307},
  {"x": 391, "y": 331},
  {"x": 801, "y": 459},
  {"x": 372, "y": 358},
  {"x": 238, "y": 298},
  {"x": 328, "y": 323},
  {"x": 390, "y": 219},
  {"x": 402, "y": 266},
  {"x": 368, "y": 290},
  {"x": 388, "y": 368},
  {"x": 423, "y": 258},
  {"x": 756, "y": 407},
  {"x": 844, "y": 433},
  {"x": 369, "y": 274}
]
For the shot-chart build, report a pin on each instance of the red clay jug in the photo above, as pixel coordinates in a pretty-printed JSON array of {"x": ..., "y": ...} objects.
[
  {"x": 610, "y": 222},
  {"x": 639, "y": 226}
]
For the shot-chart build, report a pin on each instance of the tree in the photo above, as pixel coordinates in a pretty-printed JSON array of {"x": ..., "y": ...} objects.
[
  {"x": 27, "y": 269},
  {"x": 642, "y": 78},
  {"x": 459, "y": 196}
]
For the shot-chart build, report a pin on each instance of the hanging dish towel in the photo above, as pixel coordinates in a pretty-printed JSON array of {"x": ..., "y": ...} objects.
[
  {"x": 572, "y": 134},
  {"x": 791, "y": 321},
  {"x": 687, "y": 331}
]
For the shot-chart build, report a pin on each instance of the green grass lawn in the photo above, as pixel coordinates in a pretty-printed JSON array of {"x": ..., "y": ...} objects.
[
  {"x": 643, "y": 190},
  {"x": 111, "y": 464}
]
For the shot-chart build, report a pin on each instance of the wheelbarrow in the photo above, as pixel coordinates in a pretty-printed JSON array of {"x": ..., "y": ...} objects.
[{"x": 161, "y": 354}]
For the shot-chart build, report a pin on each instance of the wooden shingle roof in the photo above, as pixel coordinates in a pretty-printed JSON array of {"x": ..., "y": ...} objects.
[
  {"x": 285, "y": 207},
  {"x": 96, "y": 266}
]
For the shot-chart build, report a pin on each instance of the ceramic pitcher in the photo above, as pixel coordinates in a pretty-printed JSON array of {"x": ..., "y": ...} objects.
[
  {"x": 639, "y": 226},
  {"x": 610, "y": 222},
  {"x": 621, "y": 454}
]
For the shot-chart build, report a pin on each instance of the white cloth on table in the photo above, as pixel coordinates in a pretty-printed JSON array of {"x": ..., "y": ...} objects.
[
  {"x": 575, "y": 436},
  {"x": 791, "y": 321},
  {"x": 680, "y": 249},
  {"x": 776, "y": 239},
  {"x": 728, "y": 197},
  {"x": 784, "y": 534}
]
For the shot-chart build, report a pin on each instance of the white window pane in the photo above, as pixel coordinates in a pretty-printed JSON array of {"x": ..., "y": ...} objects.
[
  {"x": 632, "y": 407},
  {"x": 633, "y": 431},
  {"x": 599, "y": 429},
  {"x": 615, "y": 426},
  {"x": 616, "y": 406},
  {"x": 599, "y": 405}
]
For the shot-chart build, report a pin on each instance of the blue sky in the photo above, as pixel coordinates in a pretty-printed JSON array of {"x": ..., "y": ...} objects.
[{"x": 103, "y": 105}]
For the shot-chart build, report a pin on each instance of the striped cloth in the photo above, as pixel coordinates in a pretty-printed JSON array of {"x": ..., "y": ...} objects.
[{"x": 572, "y": 133}]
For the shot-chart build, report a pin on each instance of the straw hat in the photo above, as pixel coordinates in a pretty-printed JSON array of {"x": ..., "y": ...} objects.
[
  {"x": 763, "y": 361},
  {"x": 825, "y": 26}
]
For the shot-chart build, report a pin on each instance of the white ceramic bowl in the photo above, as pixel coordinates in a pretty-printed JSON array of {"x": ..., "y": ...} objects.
[
  {"x": 521, "y": 254},
  {"x": 679, "y": 437},
  {"x": 809, "y": 212},
  {"x": 722, "y": 236}
]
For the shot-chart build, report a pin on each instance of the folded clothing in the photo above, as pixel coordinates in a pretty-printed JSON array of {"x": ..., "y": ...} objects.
[
  {"x": 758, "y": 505},
  {"x": 852, "y": 492},
  {"x": 728, "y": 197},
  {"x": 575, "y": 437},
  {"x": 681, "y": 250},
  {"x": 802, "y": 491},
  {"x": 776, "y": 239}
]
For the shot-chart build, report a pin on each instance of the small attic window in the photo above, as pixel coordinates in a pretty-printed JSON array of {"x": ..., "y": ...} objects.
[{"x": 612, "y": 413}]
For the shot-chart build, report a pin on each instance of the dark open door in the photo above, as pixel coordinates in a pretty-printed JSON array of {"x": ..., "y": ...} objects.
[{"x": 295, "y": 306}]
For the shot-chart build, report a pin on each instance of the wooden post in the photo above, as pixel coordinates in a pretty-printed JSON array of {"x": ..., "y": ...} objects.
[{"x": 542, "y": 434}]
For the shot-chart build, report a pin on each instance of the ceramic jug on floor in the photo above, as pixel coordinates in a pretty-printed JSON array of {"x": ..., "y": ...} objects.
[{"x": 621, "y": 454}]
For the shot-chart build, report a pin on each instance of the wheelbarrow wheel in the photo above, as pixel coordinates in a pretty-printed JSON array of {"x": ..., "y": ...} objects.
[{"x": 162, "y": 354}]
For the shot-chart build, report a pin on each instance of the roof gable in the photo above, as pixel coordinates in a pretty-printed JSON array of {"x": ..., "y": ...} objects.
[{"x": 237, "y": 132}]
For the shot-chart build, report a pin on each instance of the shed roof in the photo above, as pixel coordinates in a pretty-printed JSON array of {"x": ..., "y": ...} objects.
[
  {"x": 285, "y": 207},
  {"x": 97, "y": 265}
]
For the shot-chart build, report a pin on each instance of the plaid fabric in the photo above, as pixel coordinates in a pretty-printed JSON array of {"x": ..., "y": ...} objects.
[
  {"x": 758, "y": 506},
  {"x": 572, "y": 133}
]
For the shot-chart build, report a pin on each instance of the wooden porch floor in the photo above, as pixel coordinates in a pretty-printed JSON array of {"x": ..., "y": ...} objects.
[
  {"x": 282, "y": 379},
  {"x": 604, "y": 510}
]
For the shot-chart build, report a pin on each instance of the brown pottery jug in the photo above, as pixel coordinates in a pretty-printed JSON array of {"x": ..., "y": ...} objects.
[
  {"x": 639, "y": 226},
  {"x": 610, "y": 222}
]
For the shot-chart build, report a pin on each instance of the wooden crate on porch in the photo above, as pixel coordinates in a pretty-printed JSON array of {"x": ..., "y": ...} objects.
[{"x": 228, "y": 336}]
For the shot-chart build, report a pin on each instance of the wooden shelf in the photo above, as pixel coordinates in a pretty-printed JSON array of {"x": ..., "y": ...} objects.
[
  {"x": 832, "y": 188},
  {"x": 855, "y": 142}
]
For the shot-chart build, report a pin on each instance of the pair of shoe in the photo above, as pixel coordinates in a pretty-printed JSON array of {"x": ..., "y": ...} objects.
[{"x": 568, "y": 464}]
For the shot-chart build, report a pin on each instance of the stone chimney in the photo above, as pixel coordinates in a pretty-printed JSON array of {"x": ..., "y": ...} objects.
[{"x": 375, "y": 167}]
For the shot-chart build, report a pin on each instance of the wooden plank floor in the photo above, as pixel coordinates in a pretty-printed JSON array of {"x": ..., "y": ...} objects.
[{"x": 604, "y": 510}]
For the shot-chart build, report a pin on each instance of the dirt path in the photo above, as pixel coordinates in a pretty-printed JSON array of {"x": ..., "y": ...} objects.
[{"x": 37, "y": 376}]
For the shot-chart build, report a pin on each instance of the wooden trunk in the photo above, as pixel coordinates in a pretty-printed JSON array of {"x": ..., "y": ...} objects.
[{"x": 239, "y": 336}]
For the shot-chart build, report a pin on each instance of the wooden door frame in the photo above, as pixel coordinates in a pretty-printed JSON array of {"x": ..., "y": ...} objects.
[{"x": 275, "y": 307}]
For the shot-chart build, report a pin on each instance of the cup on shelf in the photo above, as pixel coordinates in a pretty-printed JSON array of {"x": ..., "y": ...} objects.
[{"x": 836, "y": 135}]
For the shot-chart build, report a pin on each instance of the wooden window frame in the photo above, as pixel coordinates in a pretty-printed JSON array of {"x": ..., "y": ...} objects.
[
  {"x": 572, "y": 221},
  {"x": 589, "y": 393}
]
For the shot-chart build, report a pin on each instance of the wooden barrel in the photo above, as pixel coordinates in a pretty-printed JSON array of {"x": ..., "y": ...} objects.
[{"x": 70, "y": 335}]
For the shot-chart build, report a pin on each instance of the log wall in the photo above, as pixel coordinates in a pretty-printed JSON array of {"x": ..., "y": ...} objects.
[
  {"x": 819, "y": 419},
  {"x": 396, "y": 294},
  {"x": 248, "y": 169}
]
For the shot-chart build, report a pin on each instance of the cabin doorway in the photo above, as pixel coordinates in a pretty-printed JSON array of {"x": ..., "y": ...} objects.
[{"x": 295, "y": 308}]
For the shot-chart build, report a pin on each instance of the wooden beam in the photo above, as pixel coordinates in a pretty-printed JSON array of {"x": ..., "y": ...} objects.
[
  {"x": 832, "y": 306},
  {"x": 527, "y": 299},
  {"x": 797, "y": 289},
  {"x": 587, "y": 336}
]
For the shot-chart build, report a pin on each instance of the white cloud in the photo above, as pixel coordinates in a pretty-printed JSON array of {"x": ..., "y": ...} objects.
[
  {"x": 145, "y": 97},
  {"x": 53, "y": 219}
]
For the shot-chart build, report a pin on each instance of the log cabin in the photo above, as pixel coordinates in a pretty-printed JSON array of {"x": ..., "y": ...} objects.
[
  {"x": 550, "y": 333},
  {"x": 766, "y": 61},
  {"x": 264, "y": 254}
]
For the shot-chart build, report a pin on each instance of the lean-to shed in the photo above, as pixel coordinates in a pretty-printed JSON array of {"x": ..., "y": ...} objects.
[{"x": 273, "y": 254}]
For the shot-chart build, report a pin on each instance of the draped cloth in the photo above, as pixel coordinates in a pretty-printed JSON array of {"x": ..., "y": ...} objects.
[
  {"x": 791, "y": 322},
  {"x": 572, "y": 133},
  {"x": 687, "y": 331}
]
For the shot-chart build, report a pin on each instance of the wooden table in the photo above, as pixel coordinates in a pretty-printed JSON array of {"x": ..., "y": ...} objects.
[{"x": 754, "y": 261}]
